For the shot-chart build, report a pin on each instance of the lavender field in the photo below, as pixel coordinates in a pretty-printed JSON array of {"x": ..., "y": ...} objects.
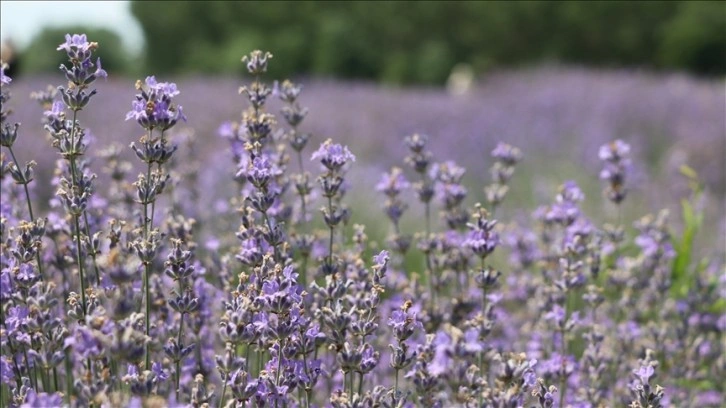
[{"x": 552, "y": 238}]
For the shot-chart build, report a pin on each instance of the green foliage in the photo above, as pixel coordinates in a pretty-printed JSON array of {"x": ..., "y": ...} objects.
[
  {"x": 36, "y": 58},
  {"x": 682, "y": 274},
  {"x": 420, "y": 42},
  {"x": 695, "y": 38}
]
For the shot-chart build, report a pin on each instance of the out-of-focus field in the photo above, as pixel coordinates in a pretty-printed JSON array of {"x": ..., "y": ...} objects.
[{"x": 558, "y": 117}]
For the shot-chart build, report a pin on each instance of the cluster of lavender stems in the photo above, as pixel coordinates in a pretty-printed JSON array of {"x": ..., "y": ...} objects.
[{"x": 113, "y": 296}]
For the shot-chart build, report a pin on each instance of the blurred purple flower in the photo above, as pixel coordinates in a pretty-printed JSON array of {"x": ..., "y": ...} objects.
[{"x": 4, "y": 79}]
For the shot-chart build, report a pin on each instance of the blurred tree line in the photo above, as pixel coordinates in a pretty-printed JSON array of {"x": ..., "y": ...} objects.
[{"x": 418, "y": 42}]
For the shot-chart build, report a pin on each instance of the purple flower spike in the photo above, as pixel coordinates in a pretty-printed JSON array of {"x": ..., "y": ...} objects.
[
  {"x": 507, "y": 154},
  {"x": 393, "y": 183},
  {"x": 644, "y": 373},
  {"x": 333, "y": 156},
  {"x": 153, "y": 107},
  {"x": 614, "y": 151}
]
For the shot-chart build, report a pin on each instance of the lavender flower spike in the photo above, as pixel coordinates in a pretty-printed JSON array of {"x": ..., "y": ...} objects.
[{"x": 332, "y": 155}]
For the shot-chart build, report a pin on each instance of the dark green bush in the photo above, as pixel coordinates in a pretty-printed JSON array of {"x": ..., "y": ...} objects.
[{"x": 419, "y": 42}]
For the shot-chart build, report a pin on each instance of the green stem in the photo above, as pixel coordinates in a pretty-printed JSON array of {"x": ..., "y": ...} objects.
[
  {"x": 69, "y": 377},
  {"x": 330, "y": 241},
  {"x": 481, "y": 353},
  {"x": 147, "y": 268},
  {"x": 307, "y": 390},
  {"x": 93, "y": 251},
  {"x": 80, "y": 264},
  {"x": 224, "y": 390},
  {"x": 279, "y": 367},
  {"x": 25, "y": 185},
  {"x": 33, "y": 378},
  {"x": 147, "y": 305},
  {"x": 55, "y": 380},
  {"x": 44, "y": 378},
  {"x": 72, "y": 160},
  {"x": 395, "y": 389},
  {"x": 30, "y": 211},
  {"x": 563, "y": 354},
  {"x": 178, "y": 362}
]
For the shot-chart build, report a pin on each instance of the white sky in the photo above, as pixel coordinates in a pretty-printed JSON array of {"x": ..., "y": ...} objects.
[{"x": 20, "y": 21}]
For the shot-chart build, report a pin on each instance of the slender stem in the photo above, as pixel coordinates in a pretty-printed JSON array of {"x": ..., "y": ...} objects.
[
  {"x": 55, "y": 380},
  {"x": 395, "y": 389},
  {"x": 80, "y": 263},
  {"x": 93, "y": 251},
  {"x": 260, "y": 356},
  {"x": 72, "y": 160},
  {"x": 430, "y": 281},
  {"x": 25, "y": 185},
  {"x": 563, "y": 355},
  {"x": 178, "y": 362},
  {"x": 330, "y": 242},
  {"x": 147, "y": 305},
  {"x": 279, "y": 368},
  {"x": 44, "y": 378},
  {"x": 33, "y": 378},
  {"x": 147, "y": 267},
  {"x": 483, "y": 312},
  {"x": 178, "y": 341},
  {"x": 16, "y": 368},
  {"x": 224, "y": 390},
  {"x": 30, "y": 210},
  {"x": 304, "y": 271},
  {"x": 69, "y": 376},
  {"x": 269, "y": 228},
  {"x": 114, "y": 372},
  {"x": 307, "y": 390}
]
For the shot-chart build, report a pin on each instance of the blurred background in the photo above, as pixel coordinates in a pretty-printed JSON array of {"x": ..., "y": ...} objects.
[
  {"x": 557, "y": 79},
  {"x": 391, "y": 42}
]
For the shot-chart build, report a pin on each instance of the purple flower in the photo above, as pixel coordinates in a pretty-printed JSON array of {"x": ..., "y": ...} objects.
[
  {"x": 471, "y": 342},
  {"x": 393, "y": 183},
  {"x": 614, "y": 151},
  {"x": 333, "y": 156},
  {"x": 159, "y": 371},
  {"x": 56, "y": 112},
  {"x": 6, "y": 371},
  {"x": 34, "y": 400},
  {"x": 153, "y": 107},
  {"x": 644, "y": 373},
  {"x": 557, "y": 315},
  {"x": 447, "y": 172},
  {"x": 570, "y": 192},
  {"x": 4, "y": 79},
  {"x": 75, "y": 43},
  {"x": 614, "y": 154},
  {"x": 404, "y": 324},
  {"x": 481, "y": 242},
  {"x": 84, "y": 343},
  {"x": 381, "y": 259},
  {"x": 79, "y": 51},
  {"x": 260, "y": 171},
  {"x": 226, "y": 130},
  {"x": 6, "y": 284},
  {"x": 15, "y": 320},
  {"x": 508, "y": 155}
]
